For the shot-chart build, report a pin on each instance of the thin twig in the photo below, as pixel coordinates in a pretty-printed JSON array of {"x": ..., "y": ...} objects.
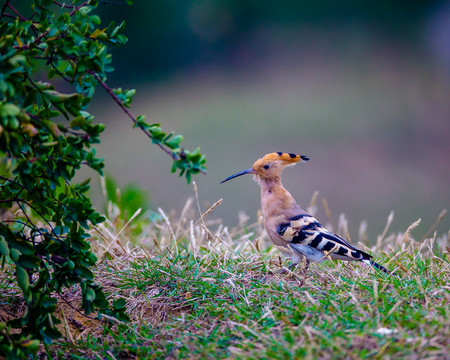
[
  {"x": 73, "y": 6},
  {"x": 16, "y": 12},
  {"x": 19, "y": 222},
  {"x": 73, "y": 307},
  {"x": 29, "y": 220},
  {"x": 8, "y": 200},
  {"x": 9, "y": 15},
  {"x": 127, "y": 112},
  {"x": 18, "y": 201},
  {"x": 22, "y": 18},
  {"x": 5, "y": 5},
  {"x": 59, "y": 72},
  {"x": 14, "y": 182},
  {"x": 73, "y": 12},
  {"x": 63, "y": 5}
]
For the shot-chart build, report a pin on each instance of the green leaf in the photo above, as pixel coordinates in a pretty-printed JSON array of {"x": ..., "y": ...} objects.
[
  {"x": 97, "y": 33},
  {"x": 101, "y": 303},
  {"x": 61, "y": 230},
  {"x": 90, "y": 294},
  {"x": 14, "y": 254},
  {"x": 4, "y": 249},
  {"x": 84, "y": 272},
  {"x": 30, "y": 345},
  {"x": 77, "y": 122},
  {"x": 23, "y": 246},
  {"x": 42, "y": 280},
  {"x": 9, "y": 109},
  {"x": 22, "y": 278},
  {"x": 29, "y": 261},
  {"x": 49, "y": 334},
  {"x": 49, "y": 302},
  {"x": 70, "y": 265},
  {"x": 175, "y": 141},
  {"x": 120, "y": 303}
]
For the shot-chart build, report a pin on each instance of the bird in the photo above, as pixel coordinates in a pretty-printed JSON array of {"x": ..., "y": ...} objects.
[{"x": 292, "y": 230}]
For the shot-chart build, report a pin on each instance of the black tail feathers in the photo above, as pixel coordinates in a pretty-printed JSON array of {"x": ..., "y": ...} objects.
[{"x": 379, "y": 267}]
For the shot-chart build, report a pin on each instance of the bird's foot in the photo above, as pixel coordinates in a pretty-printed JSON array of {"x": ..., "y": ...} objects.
[
  {"x": 306, "y": 267},
  {"x": 289, "y": 269}
]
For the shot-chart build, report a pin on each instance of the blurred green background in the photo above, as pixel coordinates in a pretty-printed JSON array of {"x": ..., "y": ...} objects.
[{"x": 361, "y": 87}]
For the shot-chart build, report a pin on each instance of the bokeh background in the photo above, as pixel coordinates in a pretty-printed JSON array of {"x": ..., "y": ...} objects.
[{"x": 361, "y": 87}]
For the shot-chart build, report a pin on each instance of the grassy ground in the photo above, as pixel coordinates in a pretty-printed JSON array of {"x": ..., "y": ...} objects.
[{"x": 196, "y": 289}]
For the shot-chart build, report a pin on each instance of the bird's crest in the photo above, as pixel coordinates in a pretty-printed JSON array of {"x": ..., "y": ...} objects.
[
  {"x": 285, "y": 159},
  {"x": 270, "y": 165}
]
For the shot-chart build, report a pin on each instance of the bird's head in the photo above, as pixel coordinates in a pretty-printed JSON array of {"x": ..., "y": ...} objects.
[{"x": 270, "y": 166}]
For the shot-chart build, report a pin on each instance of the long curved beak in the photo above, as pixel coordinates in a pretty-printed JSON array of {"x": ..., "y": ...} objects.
[{"x": 248, "y": 171}]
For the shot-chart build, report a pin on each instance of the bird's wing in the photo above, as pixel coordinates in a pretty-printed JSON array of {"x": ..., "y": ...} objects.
[{"x": 304, "y": 229}]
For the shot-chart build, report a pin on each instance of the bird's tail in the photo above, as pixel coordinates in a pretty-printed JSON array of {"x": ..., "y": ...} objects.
[{"x": 376, "y": 265}]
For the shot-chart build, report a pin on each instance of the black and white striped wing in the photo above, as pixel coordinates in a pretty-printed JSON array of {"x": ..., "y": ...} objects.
[{"x": 305, "y": 230}]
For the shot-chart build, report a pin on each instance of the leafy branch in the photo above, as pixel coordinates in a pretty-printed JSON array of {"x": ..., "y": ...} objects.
[
  {"x": 127, "y": 112},
  {"x": 46, "y": 135}
]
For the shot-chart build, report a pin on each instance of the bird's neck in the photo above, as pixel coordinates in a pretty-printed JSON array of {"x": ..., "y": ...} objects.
[{"x": 275, "y": 199}]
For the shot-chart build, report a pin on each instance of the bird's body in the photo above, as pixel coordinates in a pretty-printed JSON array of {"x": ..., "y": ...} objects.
[{"x": 292, "y": 230}]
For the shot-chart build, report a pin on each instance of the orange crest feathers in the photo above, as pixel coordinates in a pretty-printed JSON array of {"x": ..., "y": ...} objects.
[
  {"x": 270, "y": 166},
  {"x": 286, "y": 159}
]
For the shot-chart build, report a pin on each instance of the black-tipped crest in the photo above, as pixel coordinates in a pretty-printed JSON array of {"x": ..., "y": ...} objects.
[{"x": 270, "y": 165}]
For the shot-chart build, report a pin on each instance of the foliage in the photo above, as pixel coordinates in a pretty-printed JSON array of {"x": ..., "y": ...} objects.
[{"x": 52, "y": 57}]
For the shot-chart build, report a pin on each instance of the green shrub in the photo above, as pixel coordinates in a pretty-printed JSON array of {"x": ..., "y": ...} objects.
[{"x": 52, "y": 57}]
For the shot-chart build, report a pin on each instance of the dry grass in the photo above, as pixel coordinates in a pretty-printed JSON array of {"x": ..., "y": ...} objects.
[{"x": 196, "y": 288}]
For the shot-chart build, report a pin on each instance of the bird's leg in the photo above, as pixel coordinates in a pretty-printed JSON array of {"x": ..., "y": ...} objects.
[
  {"x": 291, "y": 267},
  {"x": 306, "y": 267},
  {"x": 307, "y": 262}
]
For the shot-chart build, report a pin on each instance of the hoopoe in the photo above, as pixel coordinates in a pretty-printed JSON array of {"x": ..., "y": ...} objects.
[{"x": 292, "y": 230}]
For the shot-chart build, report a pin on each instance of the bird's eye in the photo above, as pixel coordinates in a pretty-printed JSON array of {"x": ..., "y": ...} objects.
[{"x": 266, "y": 167}]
